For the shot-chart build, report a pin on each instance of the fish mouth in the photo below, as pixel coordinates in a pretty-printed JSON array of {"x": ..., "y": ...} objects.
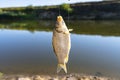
[{"x": 59, "y": 19}]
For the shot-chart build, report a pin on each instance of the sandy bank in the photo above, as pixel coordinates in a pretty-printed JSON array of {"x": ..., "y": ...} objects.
[{"x": 55, "y": 77}]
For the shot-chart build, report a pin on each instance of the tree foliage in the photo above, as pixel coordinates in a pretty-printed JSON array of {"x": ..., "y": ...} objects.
[
  {"x": 1, "y": 11},
  {"x": 66, "y": 7},
  {"x": 30, "y": 7}
]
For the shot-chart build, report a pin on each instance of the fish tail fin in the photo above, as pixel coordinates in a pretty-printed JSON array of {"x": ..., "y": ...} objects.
[{"x": 61, "y": 66}]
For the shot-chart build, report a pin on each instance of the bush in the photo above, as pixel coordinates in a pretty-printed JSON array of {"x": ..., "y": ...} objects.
[
  {"x": 66, "y": 7},
  {"x": 1, "y": 74},
  {"x": 1, "y": 11}
]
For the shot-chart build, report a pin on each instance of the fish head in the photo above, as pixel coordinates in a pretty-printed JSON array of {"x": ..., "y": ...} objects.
[{"x": 60, "y": 22}]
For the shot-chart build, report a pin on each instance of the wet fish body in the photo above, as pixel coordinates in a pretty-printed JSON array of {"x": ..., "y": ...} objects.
[{"x": 61, "y": 43}]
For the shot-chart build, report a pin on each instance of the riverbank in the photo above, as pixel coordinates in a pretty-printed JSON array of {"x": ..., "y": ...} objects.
[
  {"x": 55, "y": 77},
  {"x": 103, "y": 10}
]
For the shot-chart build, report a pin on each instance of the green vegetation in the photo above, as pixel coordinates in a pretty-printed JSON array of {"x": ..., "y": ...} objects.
[
  {"x": 1, "y": 74},
  {"x": 1, "y": 11},
  {"x": 105, "y": 10},
  {"x": 66, "y": 7},
  {"x": 31, "y": 25},
  {"x": 105, "y": 28}
]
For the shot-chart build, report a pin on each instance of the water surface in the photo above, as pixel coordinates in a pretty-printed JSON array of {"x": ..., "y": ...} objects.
[{"x": 25, "y": 47}]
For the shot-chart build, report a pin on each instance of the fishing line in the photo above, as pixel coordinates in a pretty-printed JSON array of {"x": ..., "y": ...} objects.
[
  {"x": 68, "y": 15},
  {"x": 59, "y": 9},
  {"x": 67, "y": 11}
]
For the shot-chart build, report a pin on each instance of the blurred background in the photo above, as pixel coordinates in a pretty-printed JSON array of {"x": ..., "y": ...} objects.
[{"x": 77, "y": 9}]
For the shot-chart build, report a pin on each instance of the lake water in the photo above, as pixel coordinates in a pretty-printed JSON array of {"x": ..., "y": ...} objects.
[{"x": 25, "y": 47}]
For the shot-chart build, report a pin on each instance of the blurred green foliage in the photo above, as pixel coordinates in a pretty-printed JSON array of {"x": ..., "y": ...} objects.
[
  {"x": 106, "y": 10},
  {"x": 104, "y": 28},
  {"x": 1, "y": 74},
  {"x": 1, "y": 11},
  {"x": 66, "y": 7}
]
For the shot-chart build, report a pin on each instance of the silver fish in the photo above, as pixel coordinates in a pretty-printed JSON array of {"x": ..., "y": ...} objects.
[{"x": 61, "y": 43}]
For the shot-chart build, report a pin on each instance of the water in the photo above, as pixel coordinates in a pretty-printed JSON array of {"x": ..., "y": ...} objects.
[{"x": 25, "y": 47}]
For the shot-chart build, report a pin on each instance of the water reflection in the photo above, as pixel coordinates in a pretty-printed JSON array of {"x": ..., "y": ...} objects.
[
  {"x": 105, "y": 28},
  {"x": 96, "y": 53},
  {"x": 26, "y": 49},
  {"x": 22, "y": 51}
]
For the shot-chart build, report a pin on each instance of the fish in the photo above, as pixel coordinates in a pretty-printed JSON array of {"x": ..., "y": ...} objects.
[{"x": 61, "y": 43}]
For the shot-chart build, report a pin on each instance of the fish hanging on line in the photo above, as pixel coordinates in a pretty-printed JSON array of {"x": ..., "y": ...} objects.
[{"x": 61, "y": 43}]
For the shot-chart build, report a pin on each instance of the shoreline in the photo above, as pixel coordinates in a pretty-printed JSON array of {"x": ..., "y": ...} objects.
[
  {"x": 102, "y": 10},
  {"x": 72, "y": 76}
]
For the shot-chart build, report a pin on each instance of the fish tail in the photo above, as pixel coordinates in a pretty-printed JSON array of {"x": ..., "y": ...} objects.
[{"x": 60, "y": 67}]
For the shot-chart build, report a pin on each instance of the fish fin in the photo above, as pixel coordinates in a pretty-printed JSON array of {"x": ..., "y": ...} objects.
[
  {"x": 66, "y": 32},
  {"x": 66, "y": 59},
  {"x": 70, "y": 29},
  {"x": 61, "y": 66}
]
